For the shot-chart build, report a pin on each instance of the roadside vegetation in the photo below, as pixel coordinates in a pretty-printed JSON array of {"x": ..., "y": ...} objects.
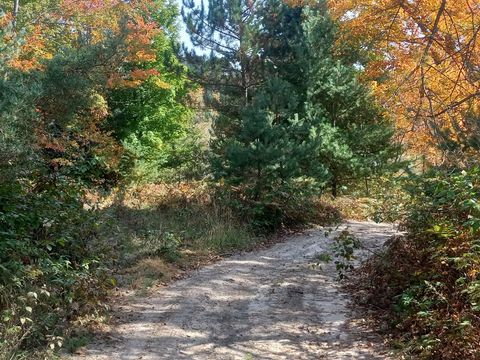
[{"x": 127, "y": 158}]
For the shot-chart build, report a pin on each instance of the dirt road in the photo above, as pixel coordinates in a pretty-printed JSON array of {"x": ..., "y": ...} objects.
[{"x": 270, "y": 304}]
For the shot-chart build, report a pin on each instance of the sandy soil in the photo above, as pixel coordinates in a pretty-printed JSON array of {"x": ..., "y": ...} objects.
[{"x": 270, "y": 304}]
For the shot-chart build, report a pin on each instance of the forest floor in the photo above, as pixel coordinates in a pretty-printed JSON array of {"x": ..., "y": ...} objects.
[{"x": 276, "y": 303}]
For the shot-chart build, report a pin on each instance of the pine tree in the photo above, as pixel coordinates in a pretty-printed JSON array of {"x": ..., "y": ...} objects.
[
  {"x": 261, "y": 149},
  {"x": 353, "y": 134},
  {"x": 283, "y": 44},
  {"x": 229, "y": 66},
  {"x": 305, "y": 123}
]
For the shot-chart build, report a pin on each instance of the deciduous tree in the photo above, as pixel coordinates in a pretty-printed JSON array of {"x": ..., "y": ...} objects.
[{"x": 423, "y": 58}]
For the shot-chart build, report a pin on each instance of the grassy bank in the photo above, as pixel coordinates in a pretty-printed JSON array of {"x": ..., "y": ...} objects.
[{"x": 163, "y": 230}]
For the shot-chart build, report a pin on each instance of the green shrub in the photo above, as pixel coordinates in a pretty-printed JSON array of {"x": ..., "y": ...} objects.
[
  {"x": 48, "y": 273},
  {"x": 430, "y": 279}
]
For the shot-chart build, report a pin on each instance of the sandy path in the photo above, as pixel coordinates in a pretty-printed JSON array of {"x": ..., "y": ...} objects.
[{"x": 270, "y": 304}]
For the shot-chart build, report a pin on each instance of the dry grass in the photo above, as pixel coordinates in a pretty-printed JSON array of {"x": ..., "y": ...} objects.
[
  {"x": 147, "y": 273},
  {"x": 361, "y": 209},
  {"x": 164, "y": 230}
]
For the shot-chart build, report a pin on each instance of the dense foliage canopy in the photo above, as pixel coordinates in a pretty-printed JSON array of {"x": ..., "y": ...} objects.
[{"x": 272, "y": 107}]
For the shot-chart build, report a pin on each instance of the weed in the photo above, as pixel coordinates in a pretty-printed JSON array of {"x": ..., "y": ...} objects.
[
  {"x": 341, "y": 252},
  {"x": 163, "y": 228},
  {"x": 76, "y": 341}
]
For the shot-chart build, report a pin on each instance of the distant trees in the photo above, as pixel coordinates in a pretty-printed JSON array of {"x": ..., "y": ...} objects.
[{"x": 150, "y": 117}]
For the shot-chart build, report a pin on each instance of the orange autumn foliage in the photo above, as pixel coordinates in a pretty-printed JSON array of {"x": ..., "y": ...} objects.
[
  {"x": 125, "y": 29},
  {"x": 92, "y": 21},
  {"x": 131, "y": 80},
  {"x": 32, "y": 52},
  {"x": 424, "y": 62}
]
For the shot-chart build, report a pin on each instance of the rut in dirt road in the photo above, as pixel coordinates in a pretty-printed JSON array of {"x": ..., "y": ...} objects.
[{"x": 271, "y": 304}]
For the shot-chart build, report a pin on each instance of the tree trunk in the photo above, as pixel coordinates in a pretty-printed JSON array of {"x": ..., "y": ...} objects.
[
  {"x": 16, "y": 8},
  {"x": 334, "y": 187},
  {"x": 258, "y": 183}
]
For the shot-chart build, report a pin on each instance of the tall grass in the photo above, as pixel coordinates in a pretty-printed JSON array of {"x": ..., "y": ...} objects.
[{"x": 165, "y": 227}]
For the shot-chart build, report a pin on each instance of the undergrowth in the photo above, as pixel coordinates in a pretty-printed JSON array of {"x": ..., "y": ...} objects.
[
  {"x": 428, "y": 282},
  {"x": 53, "y": 267},
  {"x": 164, "y": 229},
  {"x": 167, "y": 228},
  {"x": 380, "y": 199}
]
